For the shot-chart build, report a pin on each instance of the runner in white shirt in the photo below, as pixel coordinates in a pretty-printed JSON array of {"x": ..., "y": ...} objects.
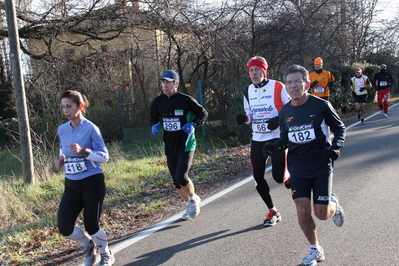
[{"x": 263, "y": 100}]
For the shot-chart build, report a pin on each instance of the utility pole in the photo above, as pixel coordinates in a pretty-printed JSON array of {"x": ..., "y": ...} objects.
[{"x": 19, "y": 89}]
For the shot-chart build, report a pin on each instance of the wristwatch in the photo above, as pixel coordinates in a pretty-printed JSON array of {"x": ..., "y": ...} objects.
[
  {"x": 86, "y": 152},
  {"x": 339, "y": 144}
]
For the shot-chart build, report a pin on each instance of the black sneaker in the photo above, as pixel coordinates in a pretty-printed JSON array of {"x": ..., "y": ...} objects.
[
  {"x": 272, "y": 218},
  {"x": 90, "y": 253},
  {"x": 362, "y": 120}
]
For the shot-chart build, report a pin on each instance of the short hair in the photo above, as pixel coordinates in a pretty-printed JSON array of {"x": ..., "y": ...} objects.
[{"x": 296, "y": 69}]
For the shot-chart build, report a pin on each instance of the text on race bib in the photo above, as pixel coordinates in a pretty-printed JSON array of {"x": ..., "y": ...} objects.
[
  {"x": 383, "y": 83},
  {"x": 171, "y": 124},
  {"x": 74, "y": 165},
  {"x": 260, "y": 126},
  {"x": 301, "y": 134},
  {"x": 319, "y": 89}
]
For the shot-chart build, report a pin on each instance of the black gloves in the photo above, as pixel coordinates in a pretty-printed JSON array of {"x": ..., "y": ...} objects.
[
  {"x": 334, "y": 150},
  {"x": 333, "y": 153},
  {"x": 273, "y": 123},
  {"x": 241, "y": 119},
  {"x": 314, "y": 83},
  {"x": 362, "y": 89},
  {"x": 269, "y": 149}
]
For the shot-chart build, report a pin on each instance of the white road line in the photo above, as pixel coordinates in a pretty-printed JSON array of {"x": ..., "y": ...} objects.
[{"x": 130, "y": 241}]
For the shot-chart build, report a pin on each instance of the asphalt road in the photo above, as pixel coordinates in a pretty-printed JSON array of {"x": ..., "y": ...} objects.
[{"x": 229, "y": 230}]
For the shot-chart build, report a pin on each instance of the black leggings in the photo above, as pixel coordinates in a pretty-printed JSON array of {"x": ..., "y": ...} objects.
[
  {"x": 87, "y": 194},
  {"x": 179, "y": 165},
  {"x": 258, "y": 164}
]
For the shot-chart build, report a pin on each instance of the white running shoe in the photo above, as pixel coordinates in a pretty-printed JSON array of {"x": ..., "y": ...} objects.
[
  {"x": 339, "y": 215},
  {"x": 381, "y": 113},
  {"x": 386, "y": 115},
  {"x": 314, "y": 256},
  {"x": 185, "y": 214},
  {"x": 107, "y": 259},
  {"x": 194, "y": 207}
]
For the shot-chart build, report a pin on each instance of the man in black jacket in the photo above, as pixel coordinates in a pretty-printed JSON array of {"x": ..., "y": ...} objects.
[
  {"x": 383, "y": 81},
  {"x": 305, "y": 124}
]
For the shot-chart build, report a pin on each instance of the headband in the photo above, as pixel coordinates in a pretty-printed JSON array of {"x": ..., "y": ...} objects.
[{"x": 260, "y": 64}]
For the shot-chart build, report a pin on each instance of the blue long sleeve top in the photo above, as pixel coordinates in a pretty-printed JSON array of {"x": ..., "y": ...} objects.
[{"x": 87, "y": 135}]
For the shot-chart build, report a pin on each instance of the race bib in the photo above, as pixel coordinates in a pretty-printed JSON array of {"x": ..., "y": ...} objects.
[
  {"x": 383, "y": 83},
  {"x": 74, "y": 165},
  {"x": 171, "y": 124},
  {"x": 319, "y": 90},
  {"x": 260, "y": 126},
  {"x": 301, "y": 134}
]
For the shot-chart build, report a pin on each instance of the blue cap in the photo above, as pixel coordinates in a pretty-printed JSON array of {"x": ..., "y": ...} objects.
[
  {"x": 383, "y": 66},
  {"x": 170, "y": 75}
]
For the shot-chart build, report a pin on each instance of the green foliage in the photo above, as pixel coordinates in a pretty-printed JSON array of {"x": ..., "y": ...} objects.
[
  {"x": 7, "y": 127},
  {"x": 107, "y": 118},
  {"x": 228, "y": 98}
]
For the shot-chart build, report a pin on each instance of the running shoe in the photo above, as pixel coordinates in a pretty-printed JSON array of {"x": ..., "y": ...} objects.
[
  {"x": 272, "y": 218},
  {"x": 339, "y": 216},
  {"x": 314, "y": 256},
  {"x": 381, "y": 113},
  {"x": 362, "y": 121},
  {"x": 287, "y": 183},
  {"x": 386, "y": 115},
  {"x": 90, "y": 254},
  {"x": 194, "y": 207},
  {"x": 185, "y": 214},
  {"x": 107, "y": 259}
]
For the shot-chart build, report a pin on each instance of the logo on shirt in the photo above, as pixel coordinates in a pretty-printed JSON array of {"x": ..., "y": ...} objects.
[
  {"x": 264, "y": 90},
  {"x": 262, "y": 109},
  {"x": 266, "y": 97},
  {"x": 178, "y": 112},
  {"x": 323, "y": 198},
  {"x": 289, "y": 119}
]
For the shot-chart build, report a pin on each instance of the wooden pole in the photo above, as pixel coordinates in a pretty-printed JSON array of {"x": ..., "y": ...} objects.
[{"x": 19, "y": 89}]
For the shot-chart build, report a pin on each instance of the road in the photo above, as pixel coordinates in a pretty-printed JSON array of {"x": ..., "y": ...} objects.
[{"x": 229, "y": 230}]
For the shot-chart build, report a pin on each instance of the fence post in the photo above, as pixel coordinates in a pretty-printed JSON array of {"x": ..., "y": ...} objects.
[
  {"x": 120, "y": 96},
  {"x": 202, "y": 102}
]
